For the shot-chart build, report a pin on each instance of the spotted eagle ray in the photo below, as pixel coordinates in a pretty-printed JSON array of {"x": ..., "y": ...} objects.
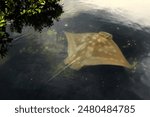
[{"x": 86, "y": 49}]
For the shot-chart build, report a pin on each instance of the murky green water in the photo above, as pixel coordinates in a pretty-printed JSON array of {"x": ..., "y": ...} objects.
[{"x": 35, "y": 57}]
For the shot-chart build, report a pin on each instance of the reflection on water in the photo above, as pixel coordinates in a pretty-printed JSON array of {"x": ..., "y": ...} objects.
[
  {"x": 135, "y": 11},
  {"x": 17, "y": 14},
  {"x": 24, "y": 74}
]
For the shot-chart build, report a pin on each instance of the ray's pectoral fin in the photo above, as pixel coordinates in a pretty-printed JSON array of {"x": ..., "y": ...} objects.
[
  {"x": 71, "y": 43},
  {"x": 73, "y": 62},
  {"x": 76, "y": 66},
  {"x": 106, "y": 61},
  {"x": 66, "y": 61}
]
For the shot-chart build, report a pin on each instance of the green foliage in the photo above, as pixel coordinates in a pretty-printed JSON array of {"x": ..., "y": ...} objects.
[
  {"x": 24, "y": 12},
  {"x": 36, "y": 13},
  {"x": 2, "y": 20}
]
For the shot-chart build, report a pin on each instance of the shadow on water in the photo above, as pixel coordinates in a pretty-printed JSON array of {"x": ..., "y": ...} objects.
[
  {"x": 20, "y": 13},
  {"x": 30, "y": 70}
]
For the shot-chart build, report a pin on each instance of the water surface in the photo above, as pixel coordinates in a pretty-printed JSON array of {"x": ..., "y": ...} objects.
[{"x": 35, "y": 57}]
